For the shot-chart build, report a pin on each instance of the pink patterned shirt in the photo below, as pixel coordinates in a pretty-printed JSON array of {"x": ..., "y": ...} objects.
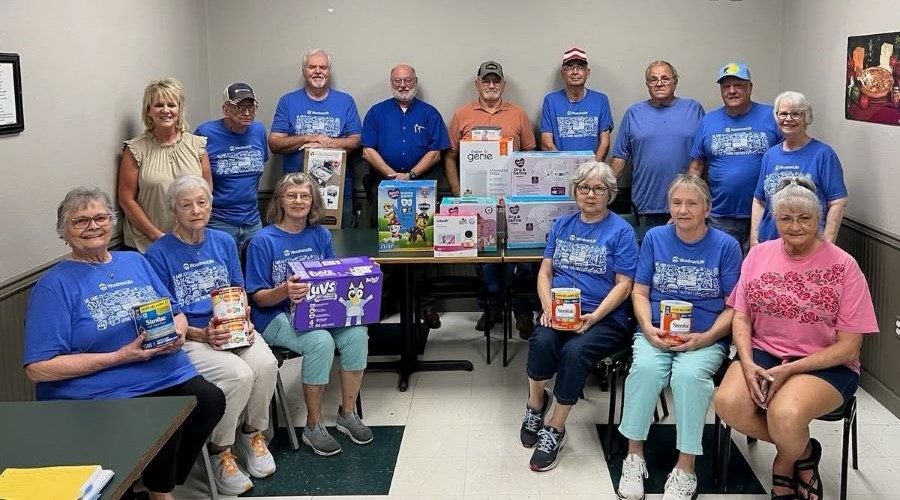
[{"x": 797, "y": 305}]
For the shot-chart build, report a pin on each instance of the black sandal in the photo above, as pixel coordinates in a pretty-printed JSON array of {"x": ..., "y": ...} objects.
[
  {"x": 786, "y": 482},
  {"x": 812, "y": 488}
]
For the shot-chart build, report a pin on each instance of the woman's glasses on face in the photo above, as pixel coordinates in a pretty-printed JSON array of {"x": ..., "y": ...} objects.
[
  {"x": 298, "y": 196},
  {"x": 597, "y": 190},
  {"x": 85, "y": 222}
]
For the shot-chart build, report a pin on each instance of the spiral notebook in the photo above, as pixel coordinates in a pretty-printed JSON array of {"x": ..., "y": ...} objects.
[{"x": 78, "y": 482}]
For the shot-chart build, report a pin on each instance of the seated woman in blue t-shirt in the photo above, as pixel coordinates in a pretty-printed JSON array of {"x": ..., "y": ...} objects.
[
  {"x": 595, "y": 251},
  {"x": 690, "y": 262},
  {"x": 81, "y": 341},
  {"x": 294, "y": 234}
]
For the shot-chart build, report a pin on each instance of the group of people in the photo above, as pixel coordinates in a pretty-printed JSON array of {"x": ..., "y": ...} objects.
[{"x": 794, "y": 308}]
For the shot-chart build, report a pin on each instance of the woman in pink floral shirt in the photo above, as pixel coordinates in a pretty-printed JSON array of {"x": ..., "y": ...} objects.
[{"x": 801, "y": 306}]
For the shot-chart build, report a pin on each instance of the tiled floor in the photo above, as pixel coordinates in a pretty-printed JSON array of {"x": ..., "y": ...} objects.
[{"x": 461, "y": 438}]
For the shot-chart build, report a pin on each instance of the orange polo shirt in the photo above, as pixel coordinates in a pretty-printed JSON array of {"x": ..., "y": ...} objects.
[{"x": 511, "y": 119}]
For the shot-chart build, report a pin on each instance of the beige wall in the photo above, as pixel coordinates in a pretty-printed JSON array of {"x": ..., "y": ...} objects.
[
  {"x": 85, "y": 64},
  {"x": 814, "y": 54}
]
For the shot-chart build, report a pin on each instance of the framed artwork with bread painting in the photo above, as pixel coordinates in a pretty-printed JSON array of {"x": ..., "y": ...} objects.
[{"x": 872, "y": 82}]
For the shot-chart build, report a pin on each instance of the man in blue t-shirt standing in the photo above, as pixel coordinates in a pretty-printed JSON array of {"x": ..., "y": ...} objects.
[
  {"x": 728, "y": 151},
  {"x": 316, "y": 116},
  {"x": 656, "y": 136},
  {"x": 576, "y": 118},
  {"x": 236, "y": 145},
  {"x": 402, "y": 139}
]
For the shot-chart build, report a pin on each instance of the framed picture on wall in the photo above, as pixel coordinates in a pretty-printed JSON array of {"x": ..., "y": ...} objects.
[
  {"x": 11, "y": 116},
  {"x": 872, "y": 81}
]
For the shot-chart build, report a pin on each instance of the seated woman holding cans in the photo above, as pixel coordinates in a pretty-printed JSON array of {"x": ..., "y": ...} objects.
[
  {"x": 684, "y": 274},
  {"x": 294, "y": 234},
  {"x": 594, "y": 251},
  {"x": 82, "y": 340},
  {"x": 801, "y": 308},
  {"x": 195, "y": 262}
]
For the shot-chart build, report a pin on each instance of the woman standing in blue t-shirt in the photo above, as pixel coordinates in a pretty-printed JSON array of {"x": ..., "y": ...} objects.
[{"x": 595, "y": 251}]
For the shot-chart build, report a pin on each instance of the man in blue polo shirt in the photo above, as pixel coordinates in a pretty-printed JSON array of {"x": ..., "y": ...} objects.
[
  {"x": 316, "y": 116},
  {"x": 402, "y": 139}
]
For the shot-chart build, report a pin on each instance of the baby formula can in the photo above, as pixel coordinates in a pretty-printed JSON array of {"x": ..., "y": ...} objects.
[
  {"x": 230, "y": 311},
  {"x": 675, "y": 319},
  {"x": 565, "y": 313}
]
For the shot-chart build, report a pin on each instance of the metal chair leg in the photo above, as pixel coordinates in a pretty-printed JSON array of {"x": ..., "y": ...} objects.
[
  {"x": 210, "y": 480},
  {"x": 487, "y": 331},
  {"x": 717, "y": 449},
  {"x": 726, "y": 456},
  {"x": 286, "y": 413},
  {"x": 611, "y": 420},
  {"x": 663, "y": 403}
]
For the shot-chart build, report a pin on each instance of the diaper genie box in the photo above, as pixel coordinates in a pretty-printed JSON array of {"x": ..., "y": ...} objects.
[
  {"x": 328, "y": 167},
  {"x": 455, "y": 235},
  {"x": 529, "y": 218},
  {"x": 342, "y": 292},
  {"x": 483, "y": 167},
  {"x": 406, "y": 215},
  {"x": 544, "y": 172},
  {"x": 486, "y": 209}
]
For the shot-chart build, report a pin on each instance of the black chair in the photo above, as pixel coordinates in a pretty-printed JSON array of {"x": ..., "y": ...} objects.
[
  {"x": 519, "y": 290},
  {"x": 431, "y": 289}
]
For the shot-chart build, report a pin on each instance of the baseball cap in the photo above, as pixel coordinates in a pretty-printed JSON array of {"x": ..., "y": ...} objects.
[
  {"x": 237, "y": 92},
  {"x": 574, "y": 54},
  {"x": 737, "y": 70},
  {"x": 488, "y": 68}
]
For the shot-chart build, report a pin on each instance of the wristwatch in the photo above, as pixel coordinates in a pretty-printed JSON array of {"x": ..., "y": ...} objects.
[{"x": 412, "y": 175}]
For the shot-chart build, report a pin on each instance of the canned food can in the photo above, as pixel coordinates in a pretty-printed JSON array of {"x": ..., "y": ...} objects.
[
  {"x": 675, "y": 319},
  {"x": 565, "y": 311}
]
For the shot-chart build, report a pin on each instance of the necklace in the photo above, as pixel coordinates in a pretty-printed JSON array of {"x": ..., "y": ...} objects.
[{"x": 95, "y": 265}]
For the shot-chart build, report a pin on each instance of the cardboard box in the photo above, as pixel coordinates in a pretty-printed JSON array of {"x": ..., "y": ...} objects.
[
  {"x": 328, "y": 167},
  {"x": 406, "y": 215},
  {"x": 544, "y": 172},
  {"x": 483, "y": 167},
  {"x": 157, "y": 321},
  {"x": 529, "y": 218},
  {"x": 486, "y": 209},
  {"x": 342, "y": 292},
  {"x": 486, "y": 133},
  {"x": 456, "y": 235}
]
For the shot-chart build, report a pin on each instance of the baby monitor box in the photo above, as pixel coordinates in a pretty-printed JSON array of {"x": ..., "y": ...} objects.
[
  {"x": 483, "y": 167},
  {"x": 544, "y": 172},
  {"x": 485, "y": 207},
  {"x": 456, "y": 235},
  {"x": 529, "y": 218},
  {"x": 406, "y": 215},
  {"x": 342, "y": 292},
  {"x": 328, "y": 168},
  {"x": 157, "y": 321}
]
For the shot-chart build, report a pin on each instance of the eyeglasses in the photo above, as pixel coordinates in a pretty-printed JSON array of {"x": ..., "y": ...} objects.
[
  {"x": 803, "y": 220},
  {"x": 297, "y": 196},
  {"x": 783, "y": 115},
  {"x": 597, "y": 190},
  {"x": 659, "y": 81},
  {"x": 246, "y": 108},
  {"x": 408, "y": 80},
  {"x": 488, "y": 83},
  {"x": 85, "y": 222},
  {"x": 575, "y": 67}
]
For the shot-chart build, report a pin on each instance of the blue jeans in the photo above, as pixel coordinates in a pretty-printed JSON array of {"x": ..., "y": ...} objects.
[
  {"x": 241, "y": 234},
  {"x": 738, "y": 228},
  {"x": 570, "y": 355}
]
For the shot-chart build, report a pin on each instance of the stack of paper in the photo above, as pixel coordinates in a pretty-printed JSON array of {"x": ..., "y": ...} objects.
[{"x": 82, "y": 482}]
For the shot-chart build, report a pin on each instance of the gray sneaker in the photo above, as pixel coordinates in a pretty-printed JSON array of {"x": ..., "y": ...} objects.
[
  {"x": 353, "y": 428},
  {"x": 320, "y": 441}
]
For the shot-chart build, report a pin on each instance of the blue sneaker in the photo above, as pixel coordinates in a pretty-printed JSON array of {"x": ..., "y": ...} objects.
[{"x": 546, "y": 454}]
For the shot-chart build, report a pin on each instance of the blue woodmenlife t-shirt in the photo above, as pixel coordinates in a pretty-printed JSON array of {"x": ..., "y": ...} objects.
[
  {"x": 576, "y": 126},
  {"x": 268, "y": 255},
  {"x": 192, "y": 272},
  {"x": 78, "y": 307}
]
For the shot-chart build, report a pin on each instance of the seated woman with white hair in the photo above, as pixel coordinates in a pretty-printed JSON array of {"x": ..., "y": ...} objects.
[
  {"x": 193, "y": 261},
  {"x": 798, "y": 155},
  {"x": 801, "y": 308}
]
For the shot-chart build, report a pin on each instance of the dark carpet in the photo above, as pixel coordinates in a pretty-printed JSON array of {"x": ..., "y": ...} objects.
[
  {"x": 661, "y": 455},
  {"x": 357, "y": 470}
]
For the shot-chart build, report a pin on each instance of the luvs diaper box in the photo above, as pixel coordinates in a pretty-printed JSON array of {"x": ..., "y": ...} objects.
[
  {"x": 406, "y": 215},
  {"x": 342, "y": 292}
]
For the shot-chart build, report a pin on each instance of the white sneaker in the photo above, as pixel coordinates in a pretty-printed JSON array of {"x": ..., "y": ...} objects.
[
  {"x": 681, "y": 485},
  {"x": 631, "y": 484},
  {"x": 230, "y": 480},
  {"x": 255, "y": 453}
]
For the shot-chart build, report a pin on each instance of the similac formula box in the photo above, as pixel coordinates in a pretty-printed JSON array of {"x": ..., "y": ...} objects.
[
  {"x": 485, "y": 207},
  {"x": 156, "y": 319},
  {"x": 342, "y": 292},
  {"x": 483, "y": 167},
  {"x": 544, "y": 172},
  {"x": 529, "y": 218},
  {"x": 406, "y": 215},
  {"x": 456, "y": 235}
]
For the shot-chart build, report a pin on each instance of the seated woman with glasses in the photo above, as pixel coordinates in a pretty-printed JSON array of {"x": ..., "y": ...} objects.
[
  {"x": 595, "y": 251},
  {"x": 81, "y": 341},
  {"x": 192, "y": 262},
  {"x": 798, "y": 155},
  {"x": 691, "y": 262},
  {"x": 801, "y": 308},
  {"x": 294, "y": 234}
]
